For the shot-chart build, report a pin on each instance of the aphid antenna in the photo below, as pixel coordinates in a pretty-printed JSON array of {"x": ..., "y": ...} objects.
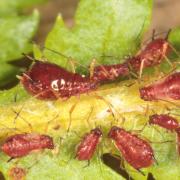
[
  {"x": 69, "y": 58},
  {"x": 154, "y": 35}
]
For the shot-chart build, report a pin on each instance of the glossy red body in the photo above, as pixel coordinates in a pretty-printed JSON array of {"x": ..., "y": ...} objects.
[
  {"x": 87, "y": 147},
  {"x": 137, "y": 152},
  {"x": 50, "y": 81},
  {"x": 166, "y": 89},
  {"x": 106, "y": 73},
  {"x": 152, "y": 54},
  {"x": 22, "y": 144},
  {"x": 164, "y": 121}
]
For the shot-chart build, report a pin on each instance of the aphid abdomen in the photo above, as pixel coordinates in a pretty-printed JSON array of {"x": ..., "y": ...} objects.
[
  {"x": 87, "y": 147},
  {"x": 137, "y": 152},
  {"x": 164, "y": 121},
  {"x": 166, "y": 89}
]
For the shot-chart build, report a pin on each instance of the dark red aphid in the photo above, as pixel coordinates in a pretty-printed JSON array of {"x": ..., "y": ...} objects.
[
  {"x": 151, "y": 55},
  {"x": 87, "y": 147},
  {"x": 164, "y": 121},
  {"x": 22, "y": 144},
  {"x": 50, "y": 81},
  {"x": 136, "y": 151},
  {"x": 166, "y": 89},
  {"x": 105, "y": 73}
]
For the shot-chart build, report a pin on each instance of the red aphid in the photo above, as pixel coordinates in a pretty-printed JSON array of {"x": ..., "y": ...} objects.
[
  {"x": 151, "y": 55},
  {"x": 164, "y": 121},
  {"x": 136, "y": 151},
  {"x": 105, "y": 73},
  {"x": 87, "y": 147},
  {"x": 49, "y": 81},
  {"x": 165, "y": 89},
  {"x": 22, "y": 144}
]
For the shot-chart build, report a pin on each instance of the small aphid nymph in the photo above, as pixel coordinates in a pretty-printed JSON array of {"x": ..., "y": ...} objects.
[
  {"x": 165, "y": 121},
  {"x": 87, "y": 146}
]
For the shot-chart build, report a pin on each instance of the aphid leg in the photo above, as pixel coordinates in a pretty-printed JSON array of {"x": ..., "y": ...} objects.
[
  {"x": 141, "y": 172},
  {"x": 91, "y": 68},
  {"x": 73, "y": 68},
  {"x": 47, "y": 124},
  {"x": 87, "y": 165},
  {"x": 10, "y": 159},
  {"x": 155, "y": 160},
  {"x": 19, "y": 116},
  {"x": 141, "y": 69},
  {"x": 70, "y": 115},
  {"x": 168, "y": 33},
  {"x": 153, "y": 34},
  {"x": 89, "y": 115},
  {"x": 29, "y": 57}
]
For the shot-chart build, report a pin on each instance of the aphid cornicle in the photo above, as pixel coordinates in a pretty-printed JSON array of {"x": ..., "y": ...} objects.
[
  {"x": 49, "y": 81},
  {"x": 165, "y": 121},
  {"x": 178, "y": 139},
  {"x": 136, "y": 151},
  {"x": 87, "y": 146},
  {"x": 165, "y": 89},
  {"x": 22, "y": 144}
]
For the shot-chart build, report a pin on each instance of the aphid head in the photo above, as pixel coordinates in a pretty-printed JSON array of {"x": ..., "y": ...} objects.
[
  {"x": 97, "y": 131},
  {"x": 147, "y": 93},
  {"x": 159, "y": 44},
  {"x": 152, "y": 118},
  {"x": 47, "y": 141},
  {"x": 113, "y": 132}
]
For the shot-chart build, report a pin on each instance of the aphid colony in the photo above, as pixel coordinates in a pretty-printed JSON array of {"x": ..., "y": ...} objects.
[
  {"x": 45, "y": 80},
  {"x": 134, "y": 149}
]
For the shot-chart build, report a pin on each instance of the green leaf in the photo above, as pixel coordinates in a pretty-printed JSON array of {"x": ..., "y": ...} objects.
[
  {"x": 15, "y": 34},
  {"x": 11, "y": 7},
  {"x": 102, "y": 28}
]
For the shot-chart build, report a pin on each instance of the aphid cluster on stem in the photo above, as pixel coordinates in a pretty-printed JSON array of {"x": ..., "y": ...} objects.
[{"x": 49, "y": 81}]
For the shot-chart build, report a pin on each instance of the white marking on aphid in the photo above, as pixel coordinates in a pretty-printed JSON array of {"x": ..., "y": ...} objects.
[{"x": 54, "y": 85}]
